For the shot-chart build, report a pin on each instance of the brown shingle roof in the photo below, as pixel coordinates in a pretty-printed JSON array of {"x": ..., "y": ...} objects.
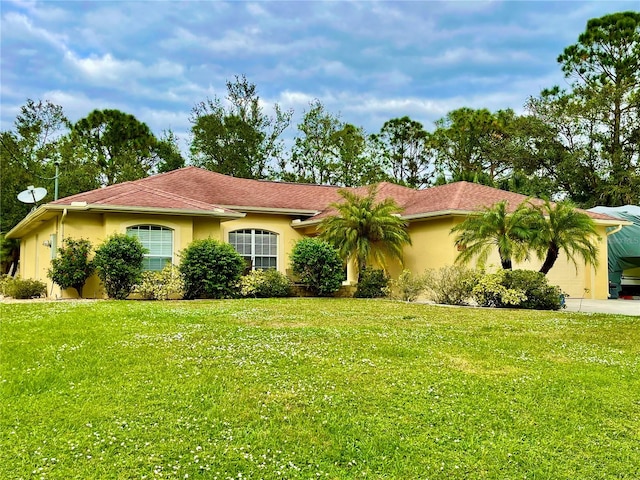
[
  {"x": 218, "y": 189},
  {"x": 193, "y": 188},
  {"x": 134, "y": 194}
]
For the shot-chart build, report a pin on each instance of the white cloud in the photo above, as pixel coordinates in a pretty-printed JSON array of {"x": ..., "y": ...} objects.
[
  {"x": 19, "y": 26},
  {"x": 107, "y": 69},
  {"x": 256, "y": 10},
  {"x": 481, "y": 56}
]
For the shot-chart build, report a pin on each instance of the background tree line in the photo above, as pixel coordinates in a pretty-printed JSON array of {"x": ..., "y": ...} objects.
[{"x": 581, "y": 143}]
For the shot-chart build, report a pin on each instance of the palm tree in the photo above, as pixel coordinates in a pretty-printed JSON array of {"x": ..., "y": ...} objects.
[
  {"x": 494, "y": 227},
  {"x": 561, "y": 227},
  {"x": 366, "y": 230}
]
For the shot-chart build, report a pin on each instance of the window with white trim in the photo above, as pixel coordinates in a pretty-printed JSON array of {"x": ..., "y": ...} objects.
[
  {"x": 259, "y": 248},
  {"x": 158, "y": 241}
]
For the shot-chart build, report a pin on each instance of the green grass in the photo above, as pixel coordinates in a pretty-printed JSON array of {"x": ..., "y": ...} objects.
[{"x": 315, "y": 388}]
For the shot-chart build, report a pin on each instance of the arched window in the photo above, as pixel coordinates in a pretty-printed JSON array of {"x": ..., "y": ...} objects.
[
  {"x": 258, "y": 247},
  {"x": 158, "y": 241}
]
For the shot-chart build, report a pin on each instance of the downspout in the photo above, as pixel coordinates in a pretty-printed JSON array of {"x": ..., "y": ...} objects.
[
  {"x": 64, "y": 214},
  {"x": 615, "y": 230}
]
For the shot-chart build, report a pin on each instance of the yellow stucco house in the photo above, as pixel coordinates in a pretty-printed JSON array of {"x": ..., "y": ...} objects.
[{"x": 263, "y": 220}]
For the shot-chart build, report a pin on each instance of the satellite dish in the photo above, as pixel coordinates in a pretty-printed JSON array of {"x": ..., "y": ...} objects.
[{"x": 32, "y": 194}]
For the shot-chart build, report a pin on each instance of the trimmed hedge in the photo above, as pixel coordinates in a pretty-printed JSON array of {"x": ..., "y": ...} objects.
[
  {"x": 318, "y": 266},
  {"x": 211, "y": 269}
]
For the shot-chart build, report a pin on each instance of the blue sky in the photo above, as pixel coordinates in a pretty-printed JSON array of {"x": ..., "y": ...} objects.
[{"x": 366, "y": 61}]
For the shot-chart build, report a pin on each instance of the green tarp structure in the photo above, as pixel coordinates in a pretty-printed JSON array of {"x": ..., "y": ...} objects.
[{"x": 623, "y": 246}]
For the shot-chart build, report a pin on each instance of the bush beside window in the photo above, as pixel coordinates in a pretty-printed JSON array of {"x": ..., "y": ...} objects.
[
  {"x": 118, "y": 262},
  {"x": 210, "y": 269},
  {"x": 317, "y": 265},
  {"x": 162, "y": 285},
  {"x": 265, "y": 284}
]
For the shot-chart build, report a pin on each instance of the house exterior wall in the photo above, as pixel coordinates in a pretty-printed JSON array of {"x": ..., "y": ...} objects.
[
  {"x": 583, "y": 281},
  {"x": 432, "y": 246},
  {"x": 204, "y": 228},
  {"x": 35, "y": 259}
]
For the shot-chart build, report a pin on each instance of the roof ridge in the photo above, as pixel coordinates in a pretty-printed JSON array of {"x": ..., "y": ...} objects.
[
  {"x": 105, "y": 188},
  {"x": 171, "y": 195}
]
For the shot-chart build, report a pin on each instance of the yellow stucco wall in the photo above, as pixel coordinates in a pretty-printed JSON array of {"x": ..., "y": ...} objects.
[
  {"x": 432, "y": 246},
  {"x": 35, "y": 259}
]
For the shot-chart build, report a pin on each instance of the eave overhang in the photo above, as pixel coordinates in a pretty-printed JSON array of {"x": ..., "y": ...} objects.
[
  {"x": 273, "y": 210},
  {"x": 48, "y": 211}
]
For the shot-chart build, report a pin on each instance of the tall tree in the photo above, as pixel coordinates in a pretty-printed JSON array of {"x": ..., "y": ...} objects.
[
  {"x": 561, "y": 227},
  {"x": 237, "y": 139},
  {"x": 403, "y": 144},
  {"x": 168, "y": 151},
  {"x": 355, "y": 165},
  {"x": 605, "y": 67},
  {"x": 313, "y": 156},
  {"x": 494, "y": 227},
  {"x": 566, "y": 150},
  {"x": 364, "y": 229},
  {"x": 121, "y": 146},
  {"x": 476, "y": 145},
  {"x": 27, "y": 156}
]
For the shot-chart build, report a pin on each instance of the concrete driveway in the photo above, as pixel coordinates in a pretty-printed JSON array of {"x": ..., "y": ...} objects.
[{"x": 620, "y": 307}]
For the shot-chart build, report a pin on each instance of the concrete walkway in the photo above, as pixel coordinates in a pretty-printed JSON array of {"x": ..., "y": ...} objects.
[{"x": 621, "y": 307}]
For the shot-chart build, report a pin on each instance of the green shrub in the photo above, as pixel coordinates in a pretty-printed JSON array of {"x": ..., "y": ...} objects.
[
  {"x": 161, "y": 285},
  {"x": 118, "y": 262},
  {"x": 518, "y": 289},
  {"x": 317, "y": 266},
  {"x": 210, "y": 269},
  {"x": 451, "y": 285},
  {"x": 407, "y": 287},
  {"x": 535, "y": 285},
  {"x": 491, "y": 292},
  {"x": 4, "y": 281},
  {"x": 373, "y": 283},
  {"x": 265, "y": 284},
  {"x": 72, "y": 267},
  {"x": 24, "y": 288}
]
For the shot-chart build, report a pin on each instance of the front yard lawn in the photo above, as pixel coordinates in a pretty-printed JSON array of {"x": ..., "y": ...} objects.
[{"x": 315, "y": 388}]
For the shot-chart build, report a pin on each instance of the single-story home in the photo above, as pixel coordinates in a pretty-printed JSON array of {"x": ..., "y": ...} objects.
[{"x": 263, "y": 220}]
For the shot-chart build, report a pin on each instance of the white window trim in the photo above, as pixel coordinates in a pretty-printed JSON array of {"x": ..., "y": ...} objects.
[
  {"x": 253, "y": 255},
  {"x": 162, "y": 227}
]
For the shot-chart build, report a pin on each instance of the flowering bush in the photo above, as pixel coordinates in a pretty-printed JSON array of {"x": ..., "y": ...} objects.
[
  {"x": 72, "y": 267},
  {"x": 265, "y": 284},
  {"x": 161, "y": 285},
  {"x": 491, "y": 291}
]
